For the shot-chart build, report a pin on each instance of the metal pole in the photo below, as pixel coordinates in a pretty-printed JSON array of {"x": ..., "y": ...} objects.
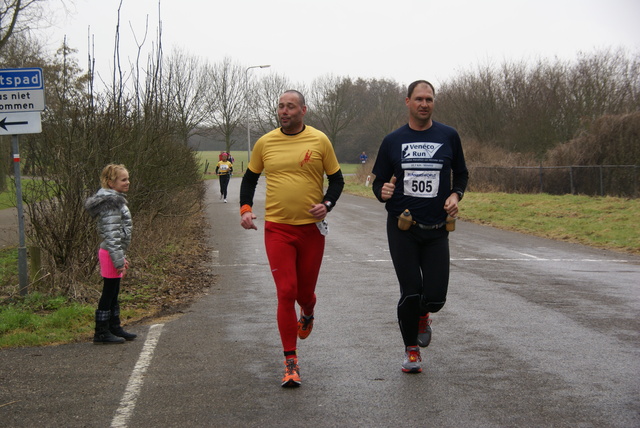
[
  {"x": 541, "y": 178},
  {"x": 22, "y": 249},
  {"x": 246, "y": 101},
  {"x": 571, "y": 185}
]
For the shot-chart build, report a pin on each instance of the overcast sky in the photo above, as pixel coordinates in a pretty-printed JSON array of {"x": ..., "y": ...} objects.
[{"x": 403, "y": 40}]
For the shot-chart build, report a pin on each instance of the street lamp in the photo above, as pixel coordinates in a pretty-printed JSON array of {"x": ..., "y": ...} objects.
[{"x": 246, "y": 96}]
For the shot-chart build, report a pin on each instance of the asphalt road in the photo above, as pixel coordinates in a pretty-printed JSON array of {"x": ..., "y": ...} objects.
[{"x": 535, "y": 333}]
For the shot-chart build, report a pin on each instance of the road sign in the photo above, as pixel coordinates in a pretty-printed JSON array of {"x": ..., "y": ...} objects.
[
  {"x": 21, "y": 90},
  {"x": 20, "y": 123},
  {"x": 21, "y": 101}
]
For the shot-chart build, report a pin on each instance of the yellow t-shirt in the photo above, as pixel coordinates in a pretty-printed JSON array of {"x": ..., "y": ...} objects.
[
  {"x": 224, "y": 167},
  {"x": 294, "y": 167}
]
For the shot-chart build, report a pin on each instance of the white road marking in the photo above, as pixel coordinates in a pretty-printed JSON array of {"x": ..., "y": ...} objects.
[
  {"x": 537, "y": 259},
  {"x": 128, "y": 401},
  {"x": 453, "y": 259},
  {"x": 528, "y": 255}
]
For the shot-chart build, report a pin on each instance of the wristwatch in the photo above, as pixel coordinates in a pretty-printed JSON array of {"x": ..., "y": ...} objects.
[
  {"x": 329, "y": 205},
  {"x": 460, "y": 193}
]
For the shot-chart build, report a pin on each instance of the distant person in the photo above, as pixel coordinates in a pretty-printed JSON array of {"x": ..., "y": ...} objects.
[
  {"x": 363, "y": 158},
  {"x": 223, "y": 171},
  {"x": 413, "y": 172},
  {"x": 296, "y": 157},
  {"x": 230, "y": 158},
  {"x": 109, "y": 207}
]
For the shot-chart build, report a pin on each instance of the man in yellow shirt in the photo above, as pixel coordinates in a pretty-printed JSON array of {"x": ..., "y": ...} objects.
[{"x": 294, "y": 158}]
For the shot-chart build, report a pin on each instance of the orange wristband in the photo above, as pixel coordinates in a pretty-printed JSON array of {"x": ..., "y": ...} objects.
[{"x": 246, "y": 208}]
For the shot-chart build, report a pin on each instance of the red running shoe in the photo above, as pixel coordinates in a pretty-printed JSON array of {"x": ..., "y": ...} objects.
[
  {"x": 424, "y": 331},
  {"x": 291, "y": 373},
  {"x": 305, "y": 325}
]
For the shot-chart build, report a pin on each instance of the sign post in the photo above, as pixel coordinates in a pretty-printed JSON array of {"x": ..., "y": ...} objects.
[
  {"x": 21, "y": 101},
  {"x": 22, "y": 249}
]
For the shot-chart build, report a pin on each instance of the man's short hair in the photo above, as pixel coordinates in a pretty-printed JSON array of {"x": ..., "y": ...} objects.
[
  {"x": 299, "y": 94},
  {"x": 413, "y": 85}
]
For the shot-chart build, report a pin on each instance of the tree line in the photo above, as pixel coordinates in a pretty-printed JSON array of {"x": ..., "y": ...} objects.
[
  {"x": 532, "y": 108},
  {"x": 522, "y": 108}
]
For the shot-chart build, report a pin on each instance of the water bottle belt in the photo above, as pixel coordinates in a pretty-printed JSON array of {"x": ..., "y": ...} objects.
[{"x": 428, "y": 226}]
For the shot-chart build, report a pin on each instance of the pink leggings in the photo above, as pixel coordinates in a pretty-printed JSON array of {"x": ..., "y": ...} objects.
[{"x": 295, "y": 255}]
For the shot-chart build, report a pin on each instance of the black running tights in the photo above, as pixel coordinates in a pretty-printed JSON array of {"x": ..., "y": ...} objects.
[
  {"x": 224, "y": 183},
  {"x": 421, "y": 261}
]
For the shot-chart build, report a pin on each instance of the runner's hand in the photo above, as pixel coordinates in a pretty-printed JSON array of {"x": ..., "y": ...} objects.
[
  {"x": 247, "y": 221},
  {"x": 451, "y": 205},
  {"x": 319, "y": 211},
  {"x": 388, "y": 189}
]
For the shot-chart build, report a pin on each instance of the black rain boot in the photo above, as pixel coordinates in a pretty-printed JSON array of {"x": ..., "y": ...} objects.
[
  {"x": 116, "y": 329},
  {"x": 102, "y": 335}
]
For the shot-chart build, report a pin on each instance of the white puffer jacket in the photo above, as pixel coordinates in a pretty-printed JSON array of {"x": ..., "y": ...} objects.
[{"x": 114, "y": 222}]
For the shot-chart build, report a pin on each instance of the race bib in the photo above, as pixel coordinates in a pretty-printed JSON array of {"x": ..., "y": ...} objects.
[{"x": 421, "y": 184}]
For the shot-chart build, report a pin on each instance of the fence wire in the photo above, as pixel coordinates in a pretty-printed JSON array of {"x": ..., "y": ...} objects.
[{"x": 596, "y": 180}]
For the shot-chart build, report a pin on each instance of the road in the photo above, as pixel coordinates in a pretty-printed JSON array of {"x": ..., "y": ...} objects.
[{"x": 535, "y": 333}]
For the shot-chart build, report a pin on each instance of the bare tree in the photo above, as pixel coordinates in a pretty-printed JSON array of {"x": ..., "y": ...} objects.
[
  {"x": 472, "y": 103},
  {"x": 186, "y": 85},
  {"x": 386, "y": 105},
  {"x": 82, "y": 131},
  {"x": 18, "y": 16},
  {"x": 607, "y": 82},
  {"x": 226, "y": 100},
  {"x": 530, "y": 108},
  {"x": 335, "y": 103},
  {"x": 383, "y": 110},
  {"x": 263, "y": 101}
]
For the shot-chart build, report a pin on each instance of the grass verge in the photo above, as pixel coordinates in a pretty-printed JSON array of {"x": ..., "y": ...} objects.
[
  {"x": 43, "y": 320},
  {"x": 148, "y": 292},
  {"x": 602, "y": 222}
]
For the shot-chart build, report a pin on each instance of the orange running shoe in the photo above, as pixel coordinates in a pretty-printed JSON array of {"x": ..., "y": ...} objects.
[
  {"x": 424, "y": 331},
  {"x": 291, "y": 373},
  {"x": 305, "y": 325}
]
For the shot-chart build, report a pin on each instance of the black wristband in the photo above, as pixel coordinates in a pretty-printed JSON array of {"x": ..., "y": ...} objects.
[{"x": 329, "y": 205}]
